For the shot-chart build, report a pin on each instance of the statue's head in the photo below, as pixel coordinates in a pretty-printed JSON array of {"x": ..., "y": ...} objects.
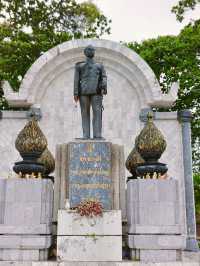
[{"x": 89, "y": 51}]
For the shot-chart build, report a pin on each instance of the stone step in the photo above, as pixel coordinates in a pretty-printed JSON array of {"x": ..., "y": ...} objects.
[
  {"x": 70, "y": 223},
  {"x": 123, "y": 263}
]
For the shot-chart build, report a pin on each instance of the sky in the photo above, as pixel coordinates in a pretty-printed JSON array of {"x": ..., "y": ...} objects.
[{"x": 136, "y": 20}]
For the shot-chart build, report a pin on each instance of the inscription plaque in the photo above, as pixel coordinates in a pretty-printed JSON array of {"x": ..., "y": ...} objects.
[{"x": 90, "y": 173}]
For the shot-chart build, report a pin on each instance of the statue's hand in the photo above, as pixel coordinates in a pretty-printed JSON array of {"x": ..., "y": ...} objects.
[
  {"x": 76, "y": 98},
  {"x": 104, "y": 91}
]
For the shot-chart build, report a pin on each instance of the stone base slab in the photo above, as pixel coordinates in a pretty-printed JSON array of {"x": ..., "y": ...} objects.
[
  {"x": 159, "y": 255},
  {"x": 23, "y": 255},
  {"x": 71, "y": 223},
  {"x": 89, "y": 239},
  {"x": 153, "y": 207},
  {"x": 26, "y": 206},
  {"x": 155, "y": 255},
  {"x": 40, "y": 229},
  {"x": 153, "y": 214},
  {"x": 123, "y": 263},
  {"x": 157, "y": 230},
  {"x": 153, "y": 190},
  {"x": 27, "y": 242},
  {"x": 89, "y": 248},
  {"x": 188, "y": 256},
  {"x": 157, "y": 242}
]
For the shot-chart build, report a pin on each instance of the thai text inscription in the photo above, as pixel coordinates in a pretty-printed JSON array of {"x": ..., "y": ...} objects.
[{"x": 90, "y": 173}]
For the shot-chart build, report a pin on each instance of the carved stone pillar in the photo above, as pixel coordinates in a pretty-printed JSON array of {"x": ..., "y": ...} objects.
[{"x": 185, "y": 118}]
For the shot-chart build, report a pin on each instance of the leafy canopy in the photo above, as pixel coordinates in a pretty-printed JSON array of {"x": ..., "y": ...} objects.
[
  {"x": 28, "y": 28},
  {"x": 177, "y": 59},
  {"x": 78, "y": 20},
  {"x": 183, "y": 6},
  {"x": 196, "y": 179}
]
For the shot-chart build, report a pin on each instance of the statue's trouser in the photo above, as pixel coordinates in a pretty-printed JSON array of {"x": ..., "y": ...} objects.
[{"x": 96, "y": 102}]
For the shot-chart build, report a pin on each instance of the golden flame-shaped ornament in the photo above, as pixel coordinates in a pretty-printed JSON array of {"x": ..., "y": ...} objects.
[
  {"x": 31, "y": 139},
  {"x": 150, "y": 143},
  {"x": 133, "y": 160},
  {"x": 48, "y": 160}
]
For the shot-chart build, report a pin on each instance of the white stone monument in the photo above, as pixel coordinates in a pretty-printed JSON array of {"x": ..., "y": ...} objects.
[
  {"x": 26, "y": 208},
  {"x": 132, "y": 87},
  {"x": 154, "y": 222},
  {"x": 89, "y": 239}
]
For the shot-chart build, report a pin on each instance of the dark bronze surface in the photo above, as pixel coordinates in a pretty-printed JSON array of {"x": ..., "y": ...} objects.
[
  {"x": 132, "y": 161},
  {"x": 48, "y": 160},
  {"x": 90, "y": 84}
]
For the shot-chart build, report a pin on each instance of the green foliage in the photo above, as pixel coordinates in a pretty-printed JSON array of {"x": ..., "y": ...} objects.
[
  {"x": 177, "y": 58},
  {"x": 183, "y": 6},
  {"x": 31, "y": 27},
  {"x": 196, "y": 180},
  {"x": 66, "y": 16},
  {"x": 19, "y": 51},
  {"x": 3, "y": 102}
]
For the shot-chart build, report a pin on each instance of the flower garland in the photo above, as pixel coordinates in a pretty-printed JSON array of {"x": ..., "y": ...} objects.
[{"x": 90, "y": 208}]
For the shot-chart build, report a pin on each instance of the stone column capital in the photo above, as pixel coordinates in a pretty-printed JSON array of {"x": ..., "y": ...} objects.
[
  {"x": 185, "y": 116},
  {"x": 143, "y": 114},
  {"x": 34, "y": 112}
]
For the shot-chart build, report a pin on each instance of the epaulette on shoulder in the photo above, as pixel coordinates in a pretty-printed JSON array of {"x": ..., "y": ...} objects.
[
  {"x": 99, "y": 64},
  {"x": 78, "y": 63}
]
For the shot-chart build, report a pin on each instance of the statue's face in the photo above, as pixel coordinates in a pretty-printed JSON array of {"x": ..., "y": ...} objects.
[{"x": 89, "y": 51}]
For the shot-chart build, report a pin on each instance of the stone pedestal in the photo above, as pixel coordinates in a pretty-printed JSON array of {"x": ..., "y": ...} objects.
[
  {"x": 154, "y": 224},
  {"x": 25, "y": 219},
  {"x": 89, "y": 239},
  {"x": 90, "y": 169}
]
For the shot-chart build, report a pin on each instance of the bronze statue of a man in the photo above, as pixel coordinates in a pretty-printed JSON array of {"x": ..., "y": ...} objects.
[{"x": 90, "y": 84}]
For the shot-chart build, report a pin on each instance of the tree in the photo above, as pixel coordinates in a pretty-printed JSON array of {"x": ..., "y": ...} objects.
[
  {"x": 183, "y": 6},
  {"x": 177, "y": 58},
  {"x": 197, "y": 195},
  {"x": 29, "y": 28},
  {"x": 55, "y": 16}
]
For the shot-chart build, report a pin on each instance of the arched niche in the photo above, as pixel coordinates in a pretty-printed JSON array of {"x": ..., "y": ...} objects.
[{"x": 132, "y": 85}]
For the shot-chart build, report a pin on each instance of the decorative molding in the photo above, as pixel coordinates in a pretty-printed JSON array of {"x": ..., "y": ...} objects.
[
  {"x": 157, "y": 115},
  {"x": 14, "y": 114},
  {"x": 185, "y": 116},
  {"x": 143, "y": 114},
  {"x": 34, "y": 112}
]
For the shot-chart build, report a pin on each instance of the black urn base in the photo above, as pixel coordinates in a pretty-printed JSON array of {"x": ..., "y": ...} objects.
[
  {"x": 48, "y": 177},
  {"x": 29, "y": 165},
  {"x": 131, "y": 178},
  {"x": 150, "y": 169},
  {"x": 25, "y": 167}
]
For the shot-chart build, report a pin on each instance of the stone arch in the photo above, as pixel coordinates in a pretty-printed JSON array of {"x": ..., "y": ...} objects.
[{"x": 113, "y": 54}]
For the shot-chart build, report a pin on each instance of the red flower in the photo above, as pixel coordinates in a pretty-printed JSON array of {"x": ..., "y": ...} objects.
[{"x": 90, "y": 208}]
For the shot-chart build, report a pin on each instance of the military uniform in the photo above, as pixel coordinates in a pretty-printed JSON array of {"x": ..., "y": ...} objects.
[{"x": 90, "y": 83}]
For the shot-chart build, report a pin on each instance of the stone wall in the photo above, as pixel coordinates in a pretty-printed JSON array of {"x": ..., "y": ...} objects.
[{"x": 10, "y": 124}]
